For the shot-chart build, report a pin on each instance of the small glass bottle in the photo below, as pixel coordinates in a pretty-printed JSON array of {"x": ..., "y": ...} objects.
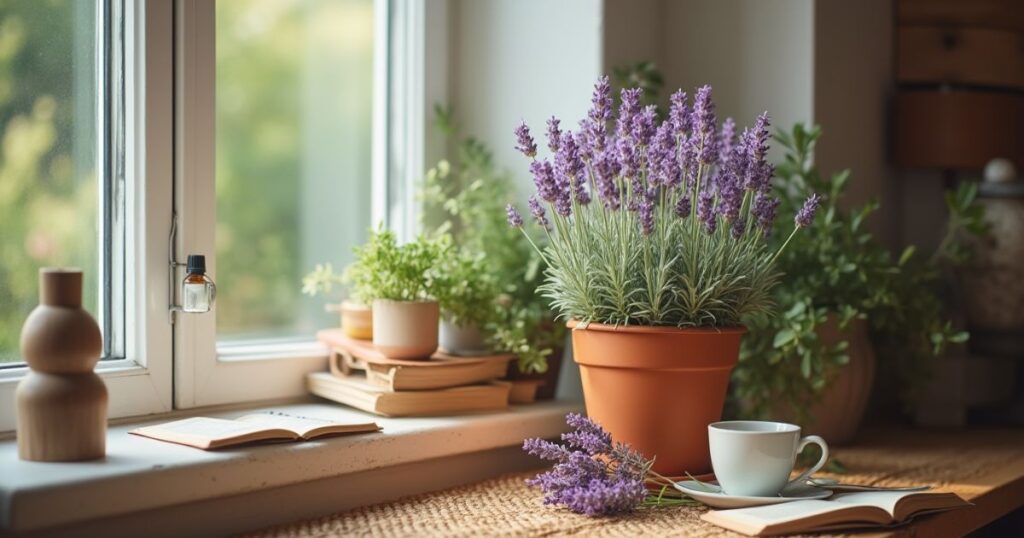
[{"x": 197, "y": 290}]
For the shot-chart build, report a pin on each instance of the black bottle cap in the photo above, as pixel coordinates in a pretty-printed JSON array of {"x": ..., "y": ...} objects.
[{"x": 197, "y": 264}]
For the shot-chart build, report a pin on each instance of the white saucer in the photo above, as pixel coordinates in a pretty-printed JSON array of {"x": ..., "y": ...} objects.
[{"x": 710, "y": 494}]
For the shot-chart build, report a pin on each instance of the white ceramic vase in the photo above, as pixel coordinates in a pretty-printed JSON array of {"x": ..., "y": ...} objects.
[
  {"x": 465, "y": 340},
  {"x": 405, "y": 329}
]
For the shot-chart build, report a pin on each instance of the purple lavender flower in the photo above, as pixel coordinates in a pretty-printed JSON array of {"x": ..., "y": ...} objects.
[
  {"x": 645, "y": 213},
  {"x": 704, "y": 123},
  {"x": 644, "y": 126},
  {"x": 590, "y": 476},
  {"x": 628, "y": 109},
  {"x": 679, "y": 113},
  {"x": 726, "y": 141},
  {"x": 515, "y": 220},
  {"x": 554, "y": 134},
  {"x": 537, "y": 210},
  {"x": 683, "y": 207},
  {"x": 587, "y": 435},
  {"x": 546, "y": 450},
  {"x": 805, "y": 216},
  {"x": 605, "y": 169},
  {"x": 661, "y": 156},
  {"x": 706, "y": 210},
  {"x": 757, "y": 172},
  {"x": 765, "y": 206},
  {"x": 524, "y": 141},
  {"x": 567, "y": 160},
  {"x": 594, "y": 127},
  {"x": 601, "y": 102},
  {"x": 628, "y": 158},
  {"x": 544, "y": 180}
]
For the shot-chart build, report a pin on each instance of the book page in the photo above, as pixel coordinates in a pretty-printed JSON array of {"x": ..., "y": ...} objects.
[
  {"x": 901, "y": 504},
  {"x": 796, "y": 516},
  {"x": 303, "y": 426},
  {"x": 201, "y": 432}
]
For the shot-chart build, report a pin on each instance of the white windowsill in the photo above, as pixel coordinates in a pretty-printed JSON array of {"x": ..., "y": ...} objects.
[{"x": 141, "y": 474}]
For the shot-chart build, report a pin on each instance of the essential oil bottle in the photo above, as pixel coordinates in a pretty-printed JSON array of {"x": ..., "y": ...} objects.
[{"x": 197, "y": 290}]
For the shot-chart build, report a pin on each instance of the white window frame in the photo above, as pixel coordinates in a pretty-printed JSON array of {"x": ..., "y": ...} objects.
[
  {"x": 140, "y": 383},
  {"x": 203, "y": 373}
]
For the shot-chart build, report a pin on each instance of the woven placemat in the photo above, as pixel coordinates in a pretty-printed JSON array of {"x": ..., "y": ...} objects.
[
  {"x": 961, "y": 462},
  {"x": 504, "y": 506}
]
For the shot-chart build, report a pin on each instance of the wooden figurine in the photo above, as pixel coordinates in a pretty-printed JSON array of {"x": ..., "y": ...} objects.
[{"x": 61, "y": 403}]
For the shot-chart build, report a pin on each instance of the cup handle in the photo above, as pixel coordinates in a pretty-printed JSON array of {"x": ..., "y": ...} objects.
[{"x": 810, "y": 439}]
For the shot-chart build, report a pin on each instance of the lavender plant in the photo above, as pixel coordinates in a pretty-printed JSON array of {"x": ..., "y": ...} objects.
[
  {"x": 596, "y": 477},
  {"x": 655, "y": 222}
]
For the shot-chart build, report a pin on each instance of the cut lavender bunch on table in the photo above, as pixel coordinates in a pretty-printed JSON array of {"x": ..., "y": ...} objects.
[{"x": 595, "y": 476}]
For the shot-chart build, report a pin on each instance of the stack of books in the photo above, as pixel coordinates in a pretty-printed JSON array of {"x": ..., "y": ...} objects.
[{"x": 362, "y": 377}]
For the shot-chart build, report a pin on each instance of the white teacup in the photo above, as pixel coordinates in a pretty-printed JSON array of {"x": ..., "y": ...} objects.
[{"x": 753, "y": 458}]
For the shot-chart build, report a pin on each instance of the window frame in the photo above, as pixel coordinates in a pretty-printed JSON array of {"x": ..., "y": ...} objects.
[{"x": 139, "y": 383}]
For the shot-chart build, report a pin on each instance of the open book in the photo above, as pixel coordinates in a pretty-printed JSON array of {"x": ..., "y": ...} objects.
[
  {"x": 212, "y": 433},
  {"x": 841, "y": 511}
]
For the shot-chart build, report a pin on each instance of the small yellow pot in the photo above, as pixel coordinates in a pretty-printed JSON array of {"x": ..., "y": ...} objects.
[{"x": 356, "y": 320}]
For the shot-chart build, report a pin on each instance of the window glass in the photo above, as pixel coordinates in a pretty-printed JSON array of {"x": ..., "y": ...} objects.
[
  {"x": 48, "y": 153},
  {"x": 293, "y": 165}
]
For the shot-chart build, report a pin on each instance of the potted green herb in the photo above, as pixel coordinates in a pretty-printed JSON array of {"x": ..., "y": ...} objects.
[
  {"x": 466, "y": 197},
  {"x": 844, "y": 292},
  {"x": 656, "y": 255},
  {"x": 402, "y": 284},
  {"x": 467, "y": 304}
]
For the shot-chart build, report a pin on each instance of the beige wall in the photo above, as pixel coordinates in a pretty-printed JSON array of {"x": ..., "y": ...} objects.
[{"x": 516, "y": 60}]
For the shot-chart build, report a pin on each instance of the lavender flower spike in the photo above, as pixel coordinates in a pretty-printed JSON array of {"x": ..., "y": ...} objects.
[
  {"x": 515, "y": 220},
  {"x": 554, "y": 134},
  {"x": 524, "y": 141},
  {"x": 538, "y": 212},
  {"x": 805, "y": 216}
]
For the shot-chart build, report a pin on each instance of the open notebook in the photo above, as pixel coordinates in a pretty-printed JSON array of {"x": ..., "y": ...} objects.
[
  {"x": 212, "y": 433},
  {"x": 841, "y": 511}
]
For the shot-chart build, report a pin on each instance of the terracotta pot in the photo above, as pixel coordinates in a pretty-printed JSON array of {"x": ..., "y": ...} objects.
[
  {"x": 839, "y": 413},
  {"x": 61, "y": 403},
  {"x": 463, "y": 340},
  {"x": 657, "y": 388},
  {"x": 405, "y": 329},
  {"x": 357, "y": 321}
]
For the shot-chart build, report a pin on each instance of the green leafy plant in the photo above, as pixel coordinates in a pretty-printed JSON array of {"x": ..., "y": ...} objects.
[
  {"x": 465, "y": 198},
  {"x": 383, "y": 269},
  {"x": 470, "y": 291},
  {"x": 838, "y": 272}
]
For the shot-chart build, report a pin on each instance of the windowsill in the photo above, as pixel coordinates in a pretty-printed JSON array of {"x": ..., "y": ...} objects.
[{"x": 142, "y": 474}]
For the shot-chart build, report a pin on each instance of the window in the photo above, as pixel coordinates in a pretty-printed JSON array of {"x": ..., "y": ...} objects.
[
  {"x": 85, "y": 181},
  {"x": 51, "y": 181},
  {"x": 278, "y": 118},
  {"x": 267, "y": 135},
  {"x": 294, "y": 91}
]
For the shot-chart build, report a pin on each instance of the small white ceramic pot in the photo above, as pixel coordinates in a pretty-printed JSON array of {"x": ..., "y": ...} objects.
[
  {"x": 405, "y": 329},
  {"x": 465, "y": 341}
]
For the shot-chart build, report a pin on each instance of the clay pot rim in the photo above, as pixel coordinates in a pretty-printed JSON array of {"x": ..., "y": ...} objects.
[
  {"x": 396, "y": 302},
  {"x": 657, "y": 329}
]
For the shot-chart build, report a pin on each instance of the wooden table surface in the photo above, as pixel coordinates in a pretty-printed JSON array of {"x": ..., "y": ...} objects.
[{"x": 986, "y": 467}]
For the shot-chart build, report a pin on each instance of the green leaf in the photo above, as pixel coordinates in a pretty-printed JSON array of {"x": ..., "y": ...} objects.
[
  {"x": 805, "y": 366},
  {"x": 960, "y": 337},
  {"x": 907, "y": 254},
  {"x": 783, "y": 337}
]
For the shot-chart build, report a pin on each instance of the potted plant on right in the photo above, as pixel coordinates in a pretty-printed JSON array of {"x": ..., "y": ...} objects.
[
  {"x": 815, "y": 364},
  {"x": 402, "y": 284},
  {"x": 656, "y": 255}
]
